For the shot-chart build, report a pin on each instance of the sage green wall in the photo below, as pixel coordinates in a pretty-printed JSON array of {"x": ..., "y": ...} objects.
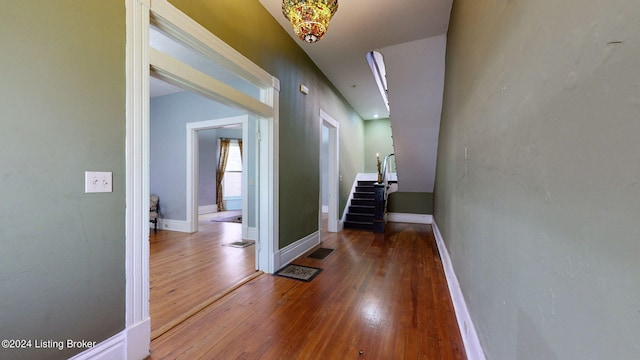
[
  {"x": 378, "y": 140},
  {"x": 410, "y": 203},
  {"x": 250, "y": 29},
  {"x": 377, "y": 135},
  {"x": 541, "y": 215},
  {"x": 62, "y": 111}
]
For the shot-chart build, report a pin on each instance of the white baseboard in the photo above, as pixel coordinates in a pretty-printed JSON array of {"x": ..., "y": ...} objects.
[
  {"x": 207, "y": 209},
  {"x": 138, "y": 340},
  {"x": 114, "y": 348},
  {"x": 410, "y": 218},
  {"x": 465, "y": 324},
  {"x": 252, "y": 233},
  {"x": 295, "y": 250},
  {"x": 132, "y": 343},
  {"x": 173, "y": 225}
]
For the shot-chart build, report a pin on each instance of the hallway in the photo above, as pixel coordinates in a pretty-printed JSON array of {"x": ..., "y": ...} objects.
[{"x": 379, "y": 296}]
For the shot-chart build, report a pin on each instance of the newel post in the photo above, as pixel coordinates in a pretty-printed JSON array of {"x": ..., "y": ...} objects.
[{"x": 378, "y": 219}]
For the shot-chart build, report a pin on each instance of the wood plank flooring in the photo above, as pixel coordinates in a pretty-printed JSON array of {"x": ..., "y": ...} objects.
[
  {"x": 189, "y": 271},
  {"x": 379, "y": 296}
]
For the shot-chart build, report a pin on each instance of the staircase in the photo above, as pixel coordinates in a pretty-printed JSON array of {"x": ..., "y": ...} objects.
[
  {"x": 362, "y": 207},
  {"x": 367, "y": 207}
]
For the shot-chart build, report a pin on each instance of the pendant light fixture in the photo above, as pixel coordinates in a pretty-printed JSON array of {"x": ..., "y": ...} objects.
[{"x": 309, "y": 18}]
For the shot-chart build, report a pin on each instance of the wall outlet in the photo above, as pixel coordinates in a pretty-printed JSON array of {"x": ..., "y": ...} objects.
[{"x": 98, "y": 182}]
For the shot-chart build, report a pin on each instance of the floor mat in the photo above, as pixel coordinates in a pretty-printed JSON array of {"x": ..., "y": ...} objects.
[
  {"x": 240, "y": 244},
  {"x": 298, "y": 272},
  {"x": 320, "y": 253}
]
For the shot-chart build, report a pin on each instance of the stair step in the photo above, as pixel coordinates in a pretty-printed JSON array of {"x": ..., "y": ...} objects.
[
  {"x": 365, "y": 189},
  {"x": 364, "y": 202},
  {"x": 363, "y": 218},
  {"x": 358, "y": 225},
  {"x": 364, "y": 195},
  {"x": 359, "y": 209},
  {"x": 366, "y": 182}
]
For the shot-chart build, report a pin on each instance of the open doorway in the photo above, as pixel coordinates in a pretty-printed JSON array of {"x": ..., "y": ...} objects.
[
  {"x": 329, "y": 173},
  {"x": 195, "y": 258},
  {"x": 220, "y": 176},
  {"x": 142, "y": 59},
  {"x": 237, "y": 189}
]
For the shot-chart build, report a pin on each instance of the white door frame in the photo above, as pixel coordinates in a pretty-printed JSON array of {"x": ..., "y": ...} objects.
[
  {"x": 139, "y": 58},
  {"x": 333, "y": 173},
  {"x": 193, "y": 169}
]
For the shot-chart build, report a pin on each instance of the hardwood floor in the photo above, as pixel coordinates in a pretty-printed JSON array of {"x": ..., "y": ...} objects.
[
  {"x": 379, "y": 296},
  {"x": 189, "y": 271}
]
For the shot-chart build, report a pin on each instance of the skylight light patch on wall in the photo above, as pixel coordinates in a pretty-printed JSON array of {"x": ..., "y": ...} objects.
[{"x": 376, "y": 63}]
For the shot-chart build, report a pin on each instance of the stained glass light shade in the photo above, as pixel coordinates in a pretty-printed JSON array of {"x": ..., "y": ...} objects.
[{"x": 309, "y": 18}]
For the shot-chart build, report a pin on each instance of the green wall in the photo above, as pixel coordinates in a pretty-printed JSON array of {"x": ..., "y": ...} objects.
[
  {"x": 252, "y": 31},
  {"x": 62, "y": 111},
  {"x": 378, "y": 140},
  {"x": 410, "y": 203},
  {"x": 540, "y": 216}
]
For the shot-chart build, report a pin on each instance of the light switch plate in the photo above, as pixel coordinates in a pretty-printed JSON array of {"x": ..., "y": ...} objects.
[{"x": 98, "y": 182}]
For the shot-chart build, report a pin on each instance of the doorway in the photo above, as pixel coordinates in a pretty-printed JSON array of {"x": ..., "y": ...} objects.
[
  {"x": 143, "y": 59},
  {"x": 329, "y": 172},
  {"x": 250, "y": 192},
  {"x": 191, "y": 269}
]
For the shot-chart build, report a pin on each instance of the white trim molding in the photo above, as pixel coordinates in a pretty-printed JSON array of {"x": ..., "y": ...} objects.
[
  {"x": 137, "y": 319},
  {"x": 174, "y": 225},
  {"x": 297, "y": 249},
  {"x": 465, "y": 324},
  {"x": 252, "y": 233},
  {"x": 119, "y": 346},
  {"x": 114, "y": 348},
  {"x": 207, "y": 209},
  {"x": 410, "y": 218}
]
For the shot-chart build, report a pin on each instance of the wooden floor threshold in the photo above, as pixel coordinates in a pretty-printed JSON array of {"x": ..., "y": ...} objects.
[{"x": 196, "y": 309}]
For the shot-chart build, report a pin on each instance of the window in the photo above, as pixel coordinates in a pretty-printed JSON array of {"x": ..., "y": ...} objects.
[{"x": 232, "y": 180}]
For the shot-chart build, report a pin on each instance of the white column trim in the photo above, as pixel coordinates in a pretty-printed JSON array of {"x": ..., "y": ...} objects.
[{"x": 137, "y": 320}]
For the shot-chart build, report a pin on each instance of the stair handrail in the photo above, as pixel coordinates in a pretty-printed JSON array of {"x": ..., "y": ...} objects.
[{"x": 386, "y": 170}]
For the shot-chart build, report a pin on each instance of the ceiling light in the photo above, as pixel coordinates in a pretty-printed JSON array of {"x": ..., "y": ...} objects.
[{"x": 309, "y": 18}]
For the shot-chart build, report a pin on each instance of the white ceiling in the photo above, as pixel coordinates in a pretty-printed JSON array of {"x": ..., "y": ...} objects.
[{"x": 360, "y": 26}]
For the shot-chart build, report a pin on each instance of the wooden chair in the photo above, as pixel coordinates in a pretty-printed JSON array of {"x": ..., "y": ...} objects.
[{"x": 154, "y": 210}]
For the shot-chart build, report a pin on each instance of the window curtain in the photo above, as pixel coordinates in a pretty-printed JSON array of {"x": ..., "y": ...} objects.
[
  {"x": 240, "y": 147},
  {"x": 222, "y": 165}
]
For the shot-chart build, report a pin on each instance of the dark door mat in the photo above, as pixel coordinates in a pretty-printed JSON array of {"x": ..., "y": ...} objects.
[
  {"x": 320, "y": 253},
  {"x": 298, "y": 272}
]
